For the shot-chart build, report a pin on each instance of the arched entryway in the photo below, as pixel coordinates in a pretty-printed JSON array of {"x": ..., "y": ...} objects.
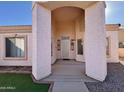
[
  {"x": 94, "y": 37},
  {"x": 68, "y": 28}
]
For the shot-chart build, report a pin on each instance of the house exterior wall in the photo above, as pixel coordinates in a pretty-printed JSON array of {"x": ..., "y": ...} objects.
[
  {"x": 51, "y": 5},
  {"x": 53, "y": 42},
  {"x": 113, "y": 35},
  {"x": 65, "y": 29},
  {"x": 113, "y": 42},
  {"x": 121, "y": 52},
  {"x": 12, "y": 61},
  {"x": 121, "y": 36},
  {"x": 94, "y": 23},
  {"x": 121, "y": 39},
  {"x": 74, "y": 29},
  {"x": 80, "y": 30}
]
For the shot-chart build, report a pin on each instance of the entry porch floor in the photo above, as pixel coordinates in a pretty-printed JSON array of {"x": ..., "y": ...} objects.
[{"x": 68, "y": 76}]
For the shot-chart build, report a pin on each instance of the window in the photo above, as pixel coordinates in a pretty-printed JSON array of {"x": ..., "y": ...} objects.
[
  {"x": 80, "y": 46},
  {"x": 15, "y": 47},
  {"x": 121, "y": 44}
]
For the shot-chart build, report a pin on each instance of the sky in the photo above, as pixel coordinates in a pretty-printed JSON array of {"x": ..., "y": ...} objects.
[
  {"x": 20, "y": 12},
  {"x": 115, "y": 12},
  {"x": 15, "y": 13}
]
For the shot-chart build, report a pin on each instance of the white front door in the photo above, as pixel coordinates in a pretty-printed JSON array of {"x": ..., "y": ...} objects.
[{"x": 65, "y": 48}]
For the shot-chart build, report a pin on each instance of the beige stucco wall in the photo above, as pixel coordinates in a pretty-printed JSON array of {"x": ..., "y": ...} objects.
[
  {"x": 80, "y": 30},
  {"x": 94, "y": 21},
  {"x": 53, "y": 42},
  {"x": 121, "y": 39},
  {"x": 121, "y": 36},
  {"x": 121, "y": 52},
  {"x": 51, "y": 5},
  {"x": 113, "y": 41},
  {"x": 16, "y": 62},
  {"x": 41, "y": 46},
  {"x": 94, "y": 41},
  {"x": 65, "y": 29},
  {"x": 74, "y": 29}
]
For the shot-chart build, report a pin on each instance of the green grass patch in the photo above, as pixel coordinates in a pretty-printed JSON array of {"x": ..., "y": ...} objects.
[{"x": 20, "y": 83}]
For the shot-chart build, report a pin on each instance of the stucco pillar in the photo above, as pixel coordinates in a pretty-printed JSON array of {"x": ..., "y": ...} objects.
[
  {"x": 41, "y": 31},
  {"x": 94, "y": 41}
]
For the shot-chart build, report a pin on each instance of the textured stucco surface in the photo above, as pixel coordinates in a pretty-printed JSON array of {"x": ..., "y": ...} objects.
[
  {"x": 80, "y": 30},
  {"x": 51, "y": 5},
  {"x": 121, "y": 39},
  {"x": 71, "y": 27},
  {"x": 94, "y": 42},
  {"x": 113, "y": 36},
  {"x": 41, "y": 46},
  {"x": 27, "y": 61}
]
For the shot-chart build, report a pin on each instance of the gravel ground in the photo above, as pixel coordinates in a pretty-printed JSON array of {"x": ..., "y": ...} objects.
[{"x": 114, "y": 81}]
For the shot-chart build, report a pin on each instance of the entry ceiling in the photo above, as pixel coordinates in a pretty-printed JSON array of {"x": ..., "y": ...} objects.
[{"x": 67, "y": 13}]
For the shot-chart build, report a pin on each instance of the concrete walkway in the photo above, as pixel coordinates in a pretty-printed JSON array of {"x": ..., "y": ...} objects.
[{"x": 69, "y": 76}]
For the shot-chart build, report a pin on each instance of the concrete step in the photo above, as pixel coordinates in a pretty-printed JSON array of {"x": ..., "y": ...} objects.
[
  {"x": 65, "y": 76},
  {"x": 69, "y": 78},
  {"x": 62, "y": 79},
  {"x": 69, "y": 87}
]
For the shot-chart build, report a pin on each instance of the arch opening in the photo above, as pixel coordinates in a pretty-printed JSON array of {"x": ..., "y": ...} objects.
[{"x": 68, "y": 26}]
